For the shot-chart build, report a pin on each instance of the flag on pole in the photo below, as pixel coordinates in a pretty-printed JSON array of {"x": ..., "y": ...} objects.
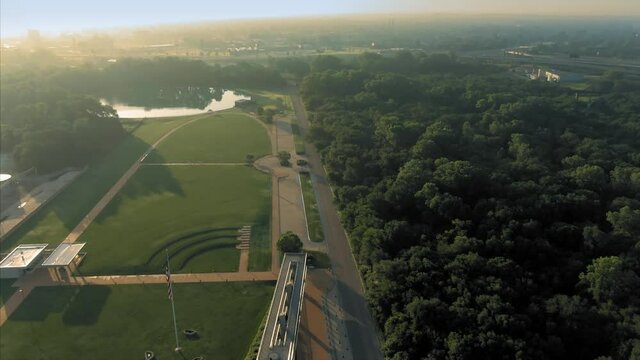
[
  {"x": 169, "y": 287},
  {"x": 173, "y": 306}
]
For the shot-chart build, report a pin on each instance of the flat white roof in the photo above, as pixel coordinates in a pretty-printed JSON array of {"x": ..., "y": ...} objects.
[
  {"x": 281, "y": 330},
  {"x": 22, "y": 256},
  {"x": 63, "y": 255}
]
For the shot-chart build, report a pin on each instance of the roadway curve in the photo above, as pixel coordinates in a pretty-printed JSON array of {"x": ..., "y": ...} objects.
[{"x": 361, "y": 329}]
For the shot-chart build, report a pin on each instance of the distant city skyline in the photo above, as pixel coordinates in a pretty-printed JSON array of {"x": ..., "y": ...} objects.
[{"x": 55, "y": 17}]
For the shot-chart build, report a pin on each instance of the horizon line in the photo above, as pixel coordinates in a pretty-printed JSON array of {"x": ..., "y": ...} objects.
[{"x": 195, "y": 22}]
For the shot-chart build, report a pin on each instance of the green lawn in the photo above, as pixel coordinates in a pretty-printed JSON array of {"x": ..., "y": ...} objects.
[
  {"x": 194, "y": 211},
  {"x": 311, "y": 209},
  {"x": 121, "y": 322},
  {"x": 225, "y": 137},
  {"x": 275, "y": 100},
  {"x": 6, "y": 290},
  {"x": 54, "y": 221}
]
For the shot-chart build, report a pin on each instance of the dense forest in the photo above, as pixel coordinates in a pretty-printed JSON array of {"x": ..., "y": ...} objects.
[
  {"x": 49, "y": 128},
  {"x": 51, "y": 117},
  {"x": 491, "y": 217},
  {"x": 138, "y": 75}
]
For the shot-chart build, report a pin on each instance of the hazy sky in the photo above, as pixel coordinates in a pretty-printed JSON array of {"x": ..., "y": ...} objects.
[{"x": 55, "y": 16}]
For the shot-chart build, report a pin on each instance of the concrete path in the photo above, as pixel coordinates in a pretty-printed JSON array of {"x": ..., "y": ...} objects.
[
  {"x": 29, "y": 281},
  {"x": 288, "y": 198},
  {"x": 14, "y": 302},
  {"x": 40, "y": 277},
  {"x": 28, "y": 204},
  {"x": 243, "y": 264},
  {"x": 350, "y": 300},
  {"x": 104, "y": 201},
  {"x": 193, "y": 164},
  {"x": 314, "y": 341}
]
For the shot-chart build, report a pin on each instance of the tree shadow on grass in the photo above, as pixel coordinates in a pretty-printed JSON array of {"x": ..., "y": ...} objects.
[
  {"x": 74, "y": 202},
  {"x": 79, "y": 305},
  {"x": 42, "y": 302},
  {"x": 147, "y": 181},
  {"x": 86, "y": 306}
]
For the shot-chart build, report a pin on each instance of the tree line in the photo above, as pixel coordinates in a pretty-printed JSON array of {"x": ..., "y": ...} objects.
[
  {"x": 491, "y": 217},
  {"x": 50, "y": 128},
  {"x": 51, "y": 118}
]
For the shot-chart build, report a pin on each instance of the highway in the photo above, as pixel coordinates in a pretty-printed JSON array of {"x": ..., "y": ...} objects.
[{"x": 361, "y": 329}]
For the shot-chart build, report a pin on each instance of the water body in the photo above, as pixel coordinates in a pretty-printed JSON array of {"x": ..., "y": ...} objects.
[{"x": 127, "y": 111}]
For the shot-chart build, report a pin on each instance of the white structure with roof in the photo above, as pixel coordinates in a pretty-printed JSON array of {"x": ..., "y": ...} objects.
[
  {"x": 64, "y": 260},
  {"x": 22, "y": 259},
  {"x": 280, "y": 335}
]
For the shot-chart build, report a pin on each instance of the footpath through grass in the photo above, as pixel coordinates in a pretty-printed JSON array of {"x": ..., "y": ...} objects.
[
  {"x": 311, "y": 208},
  {"x": 54, "y": 221},
  {"x": 226, "y": 137},
  {"x": 194, "y": 211},
  {"x": 121, "y": 322}
]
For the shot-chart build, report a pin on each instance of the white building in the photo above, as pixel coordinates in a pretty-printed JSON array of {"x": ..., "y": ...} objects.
[{"x": 22, "y": 259}]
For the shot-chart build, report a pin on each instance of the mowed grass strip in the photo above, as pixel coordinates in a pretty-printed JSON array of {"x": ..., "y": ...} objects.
[
  {"x": 52, "y": 223},
  {"x": 227, "y": 137},
  {"x": 162, "y": 203},
  {"x": 311, "y": 209},
  {"x": 121, "y": 322}
]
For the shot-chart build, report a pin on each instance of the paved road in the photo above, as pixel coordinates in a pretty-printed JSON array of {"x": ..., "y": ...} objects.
[{"x": 361, "y": 329}]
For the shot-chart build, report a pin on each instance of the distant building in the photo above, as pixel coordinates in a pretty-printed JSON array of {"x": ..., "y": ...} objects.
[{"x": 555, "y": 75}]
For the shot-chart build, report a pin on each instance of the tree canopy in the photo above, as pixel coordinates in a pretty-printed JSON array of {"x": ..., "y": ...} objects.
[
  {"x": 491, "y": 217},
  {"x": 289, "y": 242}
]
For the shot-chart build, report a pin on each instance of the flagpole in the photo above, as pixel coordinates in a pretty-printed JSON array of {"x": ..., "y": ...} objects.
[{"x": 173, "y": 307}]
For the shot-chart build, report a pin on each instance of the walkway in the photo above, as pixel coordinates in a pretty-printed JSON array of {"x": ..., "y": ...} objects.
[
  {"x": 288, "y": 200},
  {"x": 350, "y": 302},
  {"x": 28, "y": 282},
  {"x": 97, "y": 209},
  {"x": 29, "y": 203},
  {"x": 193, "y": 164}
]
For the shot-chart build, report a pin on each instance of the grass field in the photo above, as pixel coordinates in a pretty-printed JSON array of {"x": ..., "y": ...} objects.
[
  {"x": 311, "y": 209},
  {"x": 270, "y": 99},
  {"x": 54, "y": 221},
  {"x": 121, "y": 322},
  {"x": 221, "y": 138},
  {"x": 194, "y": 211}
]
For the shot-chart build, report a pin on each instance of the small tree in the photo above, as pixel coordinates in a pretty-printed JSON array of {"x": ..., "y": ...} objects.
[
  {"x": 284, "y": 157},
  {"x": 289, "y": 242},
  {"x": 268, "y": 115},
  {"x": 249, "y": 159}
]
